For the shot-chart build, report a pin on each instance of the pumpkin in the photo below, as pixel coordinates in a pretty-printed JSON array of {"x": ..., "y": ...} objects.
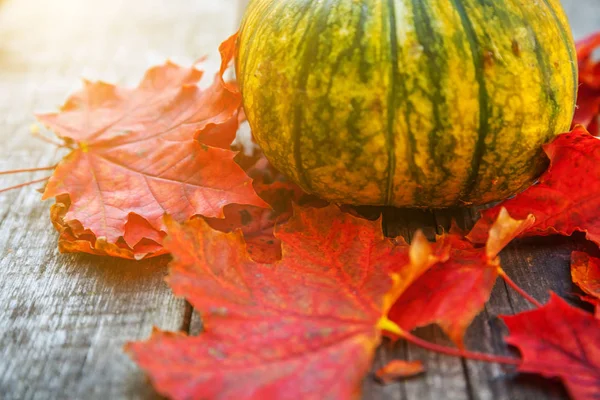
[{"x": 426, "y": 103}]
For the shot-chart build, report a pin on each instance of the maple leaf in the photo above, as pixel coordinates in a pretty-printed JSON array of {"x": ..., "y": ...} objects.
[
  {"x": 454, "y": 291},
  {"x": 86, "y": 241},
  {"x": 585, "y": 271},
  {"x": 136, "y": 158},
  {"x": 258, "y": 223},
  {"x": 565, "y": 199},
  {"x": 228, "y": 49},
  {"x": 398, "y": 369},
  {"x": 559, "y": 340},
  {"x": 305, "y": 327},
  {"x": 588, "y": 98}
]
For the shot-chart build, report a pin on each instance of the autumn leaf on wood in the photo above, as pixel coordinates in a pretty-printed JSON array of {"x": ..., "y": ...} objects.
[
  {"x": 454, "y": 291},
  {"x": 585, "y": 272},
  {"x": 588, "y": 98},
  {"x": 86, "y": 242},
  {"x": 258, "y": 223},
  {"x": 566, "y": 198},
  {"x": 398, "y": 369},
  {"x": 135, "y": 157},
  {"x": 305, "y": 327},
  {"x": 560, "y": 341}
]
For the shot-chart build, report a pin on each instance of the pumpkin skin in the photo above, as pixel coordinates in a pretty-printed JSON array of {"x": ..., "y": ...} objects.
[{"x": 426, "y": 103}]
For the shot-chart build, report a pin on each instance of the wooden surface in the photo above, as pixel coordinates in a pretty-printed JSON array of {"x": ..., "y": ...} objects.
[{"x": 65, "y": 318}]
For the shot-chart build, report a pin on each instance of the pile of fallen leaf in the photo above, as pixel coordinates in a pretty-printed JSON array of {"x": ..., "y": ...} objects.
[{"x": 295, "y": 294}]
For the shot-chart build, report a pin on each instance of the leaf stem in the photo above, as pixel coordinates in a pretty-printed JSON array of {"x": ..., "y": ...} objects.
[
  {"x": 18, "y": 171},
  {"x": 517, "y": 289},
  {"x": 472, "y": 355},
  {"x": 24, "y": 184},
  {"x": 43, "y": 138},
  {"x": 386, "y": 324}
]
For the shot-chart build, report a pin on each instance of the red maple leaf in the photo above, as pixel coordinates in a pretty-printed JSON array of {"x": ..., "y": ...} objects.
[
  {"x": 305, "y": 327},
  {"x": 566, "y": 198},
  {"x": 136, "y": 158},
  {"x": 398, "y": 369},
  {"x": 561, "y": 341},
  {"x": 454, "y": 291},
  {"x": 588, "y": 98}
]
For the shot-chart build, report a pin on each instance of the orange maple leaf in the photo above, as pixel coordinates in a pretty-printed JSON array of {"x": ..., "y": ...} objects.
[
  {"x": 86, "y": 242},
  {"x": 454, "y": 291},
  {"x": 585, "y": 272},
  {"x": 136, "y": 157},
  {"x": 398, "y": 369},
  {"x": 305, "y": 327}
]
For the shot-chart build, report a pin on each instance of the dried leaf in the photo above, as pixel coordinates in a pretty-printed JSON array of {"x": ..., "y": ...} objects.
[
  {"x": 399, "y": 369},
  {"x": 454, "y": 291},
  {"x": 566, "y": 198},
  {"x": 305, "y": 327},
  {"x": 228, "y": 49},
  {"x": 504, "y": 230},
  {"x": 561, "y": 341},
  {"x": 135, "y": 157},
  {"x": 585, "y": 271},
  {"x": 86, "y": 241}
]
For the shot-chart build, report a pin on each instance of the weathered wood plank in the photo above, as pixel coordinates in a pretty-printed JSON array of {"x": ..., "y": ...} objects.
[{"x": 65, "y": 318}]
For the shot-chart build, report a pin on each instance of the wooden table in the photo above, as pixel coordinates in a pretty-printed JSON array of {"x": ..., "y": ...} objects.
[{"x": 65, "y": 318}]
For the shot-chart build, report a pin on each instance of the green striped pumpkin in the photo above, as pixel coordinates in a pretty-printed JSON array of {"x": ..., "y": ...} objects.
[{"x": 407, "y": 102}]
